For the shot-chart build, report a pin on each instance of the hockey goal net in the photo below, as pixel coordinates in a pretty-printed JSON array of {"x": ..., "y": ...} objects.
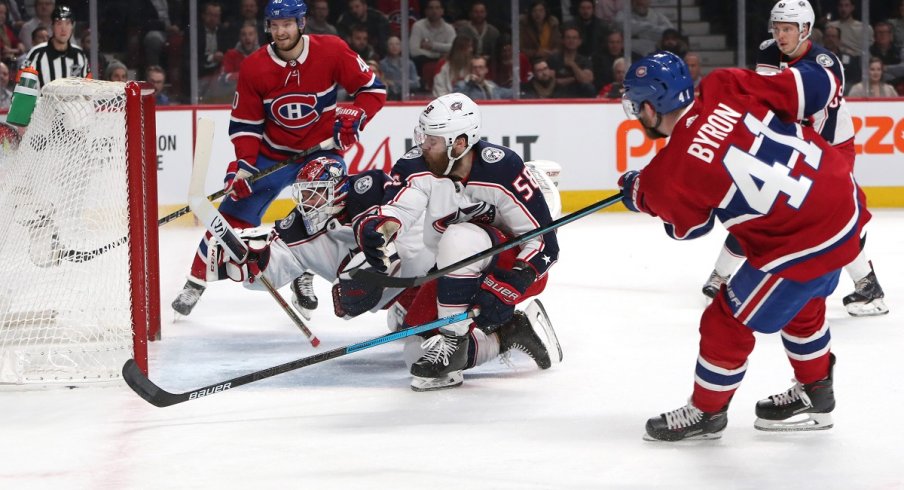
[{"x": 79, "y": 283}]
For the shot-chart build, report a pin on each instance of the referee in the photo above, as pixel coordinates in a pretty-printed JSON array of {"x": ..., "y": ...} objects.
[{"x": 58, "y": 58}]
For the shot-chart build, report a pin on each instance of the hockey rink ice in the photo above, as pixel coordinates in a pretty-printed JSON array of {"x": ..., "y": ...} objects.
[{"x": 625, "y": 301}]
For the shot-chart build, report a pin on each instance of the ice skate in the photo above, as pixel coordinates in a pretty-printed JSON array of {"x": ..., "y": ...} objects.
[
  {"x": 713, "y": 285},
  {"x": 531, "y": 332},
  {"x": 445, "y": 356},
  {"x": 188, "y": 297},
  {"x": 867, "y": 298},
  {"x": 802, "y": 407},
  {"x": 686, "y": 424},
  {"x": 303, "y": 297}
]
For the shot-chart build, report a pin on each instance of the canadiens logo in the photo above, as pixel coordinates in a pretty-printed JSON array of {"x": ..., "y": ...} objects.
[
  {"x": 413, "y": 153},
  {"x": 295, "y": 111},
  {"x": 364, "y": 184},
  {"x": 825, "y": 60},
  {"x": 641, "y": 72},
  {"x": 492, "y": 155}
]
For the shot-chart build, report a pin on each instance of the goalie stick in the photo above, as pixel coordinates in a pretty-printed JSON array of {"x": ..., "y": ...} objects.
[
  {"x": 219, "y": 227},
  {"x": 375, "y": 278},
  {"x": 153, "y": 394},
  {"x": 324, "y": 145}
]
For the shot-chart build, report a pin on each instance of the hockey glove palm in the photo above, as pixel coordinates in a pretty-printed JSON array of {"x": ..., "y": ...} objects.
[
  {"x": 236, "y": 182},
  {"x": 373, "y": 233},
  {"x": 253, "y": 265},
  {"x": 628, "y": 183},
  {"x": 499, "y": 292},
  {"x": 349, "y": 120}
]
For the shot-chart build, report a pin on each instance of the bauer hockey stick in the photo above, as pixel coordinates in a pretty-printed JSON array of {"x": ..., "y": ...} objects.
[
  {"x": 219, "y": 227},
  {"x": 157, "y": 396},
  {"x": 378, "y": 279},
  {"x": 324, "y": 145}
]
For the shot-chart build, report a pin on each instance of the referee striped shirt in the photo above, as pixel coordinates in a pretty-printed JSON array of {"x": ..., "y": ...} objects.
[{"x": 52, "y": 64}]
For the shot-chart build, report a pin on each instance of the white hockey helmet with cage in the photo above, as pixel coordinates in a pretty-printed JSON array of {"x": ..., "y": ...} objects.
[
  {"x": 795, "y": 12},
  {"x": 319, "y": 192},
  {"x": 449, "y": 117}
]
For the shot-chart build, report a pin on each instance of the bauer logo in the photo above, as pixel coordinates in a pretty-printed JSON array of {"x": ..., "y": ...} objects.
[
  {"x": 295, "y": 111},
  {"x": 209, "y": 391}
]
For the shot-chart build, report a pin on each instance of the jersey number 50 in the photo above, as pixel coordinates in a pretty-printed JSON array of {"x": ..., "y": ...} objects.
[{"x": 760, "y": 182}]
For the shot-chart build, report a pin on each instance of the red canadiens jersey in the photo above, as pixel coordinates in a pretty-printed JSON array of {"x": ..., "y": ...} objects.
[
  {"x": 283, "y": 107},
  {"x": 738, "y": 155}
]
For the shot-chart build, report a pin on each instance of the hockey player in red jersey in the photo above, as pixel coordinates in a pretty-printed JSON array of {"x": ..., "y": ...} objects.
[
  {"x": 790, "y": 23},
  {"x": 285, "y": 102},
  {"x": 737, "y": 154}
]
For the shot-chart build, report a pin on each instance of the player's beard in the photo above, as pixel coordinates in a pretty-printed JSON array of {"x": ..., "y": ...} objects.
[
  {"x": 437, "y": 164},
  {"x": 651, "y": 131},
  {"x": 281, "y": 51}
]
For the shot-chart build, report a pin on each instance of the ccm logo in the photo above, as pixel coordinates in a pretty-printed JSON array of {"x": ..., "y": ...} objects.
[{"x": 210, "y": 391}]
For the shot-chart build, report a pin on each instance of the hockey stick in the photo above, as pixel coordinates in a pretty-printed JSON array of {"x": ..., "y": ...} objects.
[
  {"x": 219, "y": 227},
  {"x": 153, "y": 394},
  {"x": 371, "y": 277},
  {"x": 324, "y": 145},
  {"x": 45, "y": 249}
]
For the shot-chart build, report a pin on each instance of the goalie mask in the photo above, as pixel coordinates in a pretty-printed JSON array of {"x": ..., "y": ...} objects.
[
  {"x": 449, "y": 117},
  {"x": 319, "y": 192}
]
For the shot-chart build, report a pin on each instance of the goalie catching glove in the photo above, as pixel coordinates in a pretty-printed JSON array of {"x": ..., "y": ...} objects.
[
  {"x": 237, "y": 183},
  {"x": 499, "y": 292}
]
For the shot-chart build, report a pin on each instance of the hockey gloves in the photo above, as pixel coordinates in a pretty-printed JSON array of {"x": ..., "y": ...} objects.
[
  {"x": 373, "y": 233},
  {"x": 499, "y": 292},
  {"x": 236, "y": 182},
  {"x": 349, "y": 120},
  {"x": 628, "y": 184},
  {"x": 253, "y": 265}
]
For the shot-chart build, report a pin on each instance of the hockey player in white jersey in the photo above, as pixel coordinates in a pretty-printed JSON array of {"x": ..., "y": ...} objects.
[
  {"x": 470, "y": 195},
  {"x": 790, "y": 23}
]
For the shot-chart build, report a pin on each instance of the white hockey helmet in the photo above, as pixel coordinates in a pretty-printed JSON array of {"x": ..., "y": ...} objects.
[
  {"x": 796, "y": 12},
  {"x": 449, "y": 117},
  {"x": 319, "y": 192}
]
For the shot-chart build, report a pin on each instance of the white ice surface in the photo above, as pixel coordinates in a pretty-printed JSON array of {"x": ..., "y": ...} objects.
[{"x": 625, "y": 300}]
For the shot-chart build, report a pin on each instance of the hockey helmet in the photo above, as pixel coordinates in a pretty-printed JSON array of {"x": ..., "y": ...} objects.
[
  {"x": 285, "y": 9},
  {"x": 449, "y": 117},
  {"x": 796, "y": 12},
  {"x": 660, "y": 79},
  {"x": 319, "y": 192},
  {"x": 61, "y": 12}
]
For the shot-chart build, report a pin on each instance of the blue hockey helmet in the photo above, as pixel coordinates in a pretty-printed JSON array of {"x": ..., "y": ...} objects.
[
  {"x": 661, "y": 79},
  {"x": 285, "y": 9}
]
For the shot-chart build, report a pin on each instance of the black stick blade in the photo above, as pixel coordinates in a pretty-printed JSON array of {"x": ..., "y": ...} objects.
[{"x": 144, "y": 387}]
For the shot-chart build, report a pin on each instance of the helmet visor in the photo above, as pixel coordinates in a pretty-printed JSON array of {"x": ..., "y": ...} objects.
[{"x": 632, "y": 109}]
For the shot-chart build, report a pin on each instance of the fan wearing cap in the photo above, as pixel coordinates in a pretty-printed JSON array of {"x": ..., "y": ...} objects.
[{"x": 58, "y": 57}]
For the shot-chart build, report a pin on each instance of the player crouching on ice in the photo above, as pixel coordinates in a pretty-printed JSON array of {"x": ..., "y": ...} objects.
[
  {"x": 317, "y": 236},
  {"x": 736, "y": 153}
]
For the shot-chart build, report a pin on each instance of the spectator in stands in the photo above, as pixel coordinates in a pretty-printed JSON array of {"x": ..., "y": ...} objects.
[
  {"x": 359, "y": 13},
  {"x": 877, "y": 88},
  {"x": 477, "y": 86},
  {"x": 233, "y": 57},
  {"x": 897, "y": 24},
  {"x": 614, "y": 89},
  {"x": 593, "y": 30},
  {"x": 543, "y": 83},
  {"x": 6, "y": 95},
  {"x": 456, "y": 66},
  {"x": 116, "y": 72},
  {"x": 693, "y": 68},
  {"x": 608, "y": 9},
  {"x": 249, "y": 13},
  {"x": 212, "y": 44},
  {"x": 156, "y": 76},
  {"x": 393, "y": 11},
  {"x": 831, "y": 40},
  {"x": 43, "y": 9},
  {"x": 485, "y": 35},
  {"x": 38, "y": 36},
  {"x": 647, "y": 25},
  {"x": 673, "y": 42},
  {"x": 10, "y": 46},
  {"x": 501, "y": 64},
  {"x": 573, "y": 70},
  {"x": 359, "y": 42},
  {"x": 158, "y": 28},
  {"x": 431, "y": 37},
  {"x": 539, "y": 31},
  {"x": 884, "y": 46},
  {"x": 851, "y": 29},
  {"x": 317, "y": 20},
  {"x": 392, "y": 65},
  {"x": 602, "y": 62},
  {"x": 15, "y": 15}
]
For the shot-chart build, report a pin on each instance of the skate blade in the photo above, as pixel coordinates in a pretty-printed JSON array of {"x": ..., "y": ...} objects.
[
  {"x": 875, "y": 307},
  {"x": 536, "y": 314},
  {"x": 699, "y": 437},
  {"x": 797, "y": 423},
  {"x": 450, "y": 380}
]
